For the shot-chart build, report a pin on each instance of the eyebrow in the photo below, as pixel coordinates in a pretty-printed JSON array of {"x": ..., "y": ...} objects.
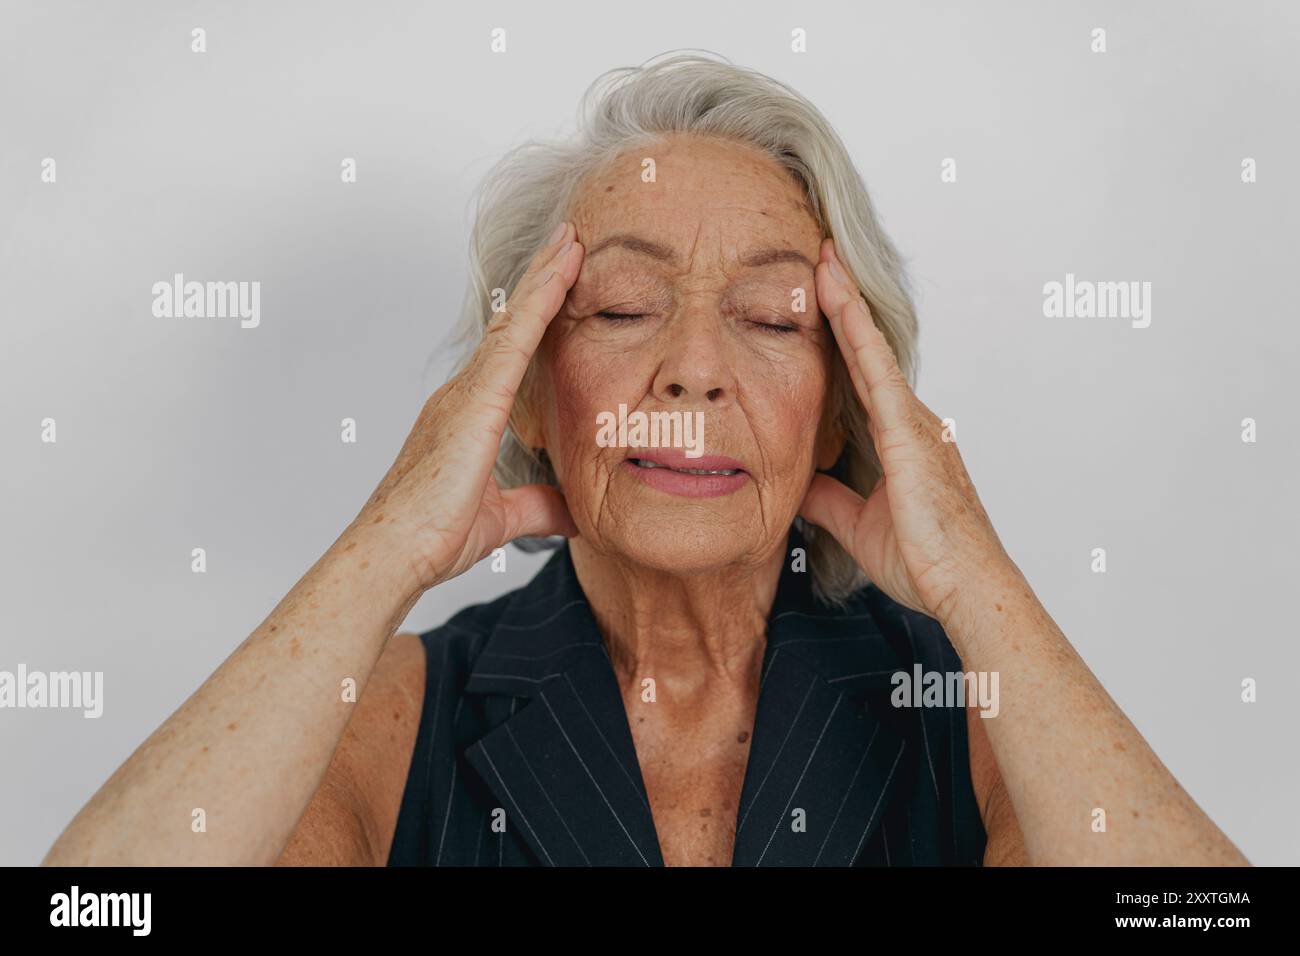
[{"x": 762, "y": 257}]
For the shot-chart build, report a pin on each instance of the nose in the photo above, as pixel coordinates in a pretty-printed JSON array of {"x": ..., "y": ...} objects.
[{"x": 695, "y": 369}]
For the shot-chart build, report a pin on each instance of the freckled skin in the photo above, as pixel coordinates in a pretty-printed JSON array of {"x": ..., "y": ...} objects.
[
  {"x": 681, "y": 587},
  {"x": 762, "y": 393}
]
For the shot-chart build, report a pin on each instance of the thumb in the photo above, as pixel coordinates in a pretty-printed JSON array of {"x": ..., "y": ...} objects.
[
  {"x": 536, "y": 511},
  {"x": 833, "y": 505}
]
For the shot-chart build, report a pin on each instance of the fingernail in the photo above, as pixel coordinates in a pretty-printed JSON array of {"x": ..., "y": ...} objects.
[
  {"x": 837, "y": 272},
  {"x": 564, "y": 248},
  {"x": 559, "y": 231}
]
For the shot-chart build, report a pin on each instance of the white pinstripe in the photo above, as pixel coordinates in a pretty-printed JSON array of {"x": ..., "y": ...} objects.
[
  {"x": 608, "y": 745},
  {"x": 883, "y": 790},
  {"x": 540, "y": 624},
  {"x": 802, "y": 774},
  {"x": 509, "y": 796},
  {"x": 538, "y": 780},
  {"x": 925, "y": 736},
  {"x": 845, "y": 798},
  {"x": 590, "y": 776},
  {"x": 777, "y": 759}
]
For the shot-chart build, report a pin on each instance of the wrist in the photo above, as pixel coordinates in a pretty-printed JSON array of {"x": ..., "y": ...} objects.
[
  {"x": 981, "y": 610},
  {"x": 376, "y": 568}
]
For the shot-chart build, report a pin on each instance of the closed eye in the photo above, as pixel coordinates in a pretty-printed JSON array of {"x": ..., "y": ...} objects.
[{"x": 779, "y": 329}]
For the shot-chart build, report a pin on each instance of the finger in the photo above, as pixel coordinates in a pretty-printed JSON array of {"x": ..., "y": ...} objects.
[
  {"x": 851, "y": 520},
  {"x": 877, "y": 378},
  {"x": 536, "y": 511},
  {"x": 490, "y": 382},
  {"x": 833, "y": 505},
  {"x": 513, "y": 334},
  {"x": 562, "y": 234}
]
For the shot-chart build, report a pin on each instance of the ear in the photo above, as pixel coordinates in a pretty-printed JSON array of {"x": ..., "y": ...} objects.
[
  {"x": 527, "y": 431},
  {"x": 830, "y": 438},
  {"x": 524, "y": 421}
]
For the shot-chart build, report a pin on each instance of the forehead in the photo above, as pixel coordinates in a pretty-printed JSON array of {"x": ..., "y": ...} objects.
[{"x": 710, "y": 198}]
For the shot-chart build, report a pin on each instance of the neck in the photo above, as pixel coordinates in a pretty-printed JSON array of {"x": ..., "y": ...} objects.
[{"x": 685, "y": 630}]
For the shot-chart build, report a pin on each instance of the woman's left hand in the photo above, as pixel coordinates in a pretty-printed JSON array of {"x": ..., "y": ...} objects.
[{"x": 922, "y": 535}]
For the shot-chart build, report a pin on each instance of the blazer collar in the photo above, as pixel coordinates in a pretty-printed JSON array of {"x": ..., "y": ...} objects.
[{"x": 823, "y": 758}]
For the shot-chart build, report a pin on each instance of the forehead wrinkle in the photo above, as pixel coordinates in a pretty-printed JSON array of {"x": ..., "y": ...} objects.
[
  {"x": 657, "y": 251},
  {"x": 632, "y": 243},
  {"x": 784, "y": 211},
  {"x": 768, "y": 272},
  {"x": 695, "y": 245}
]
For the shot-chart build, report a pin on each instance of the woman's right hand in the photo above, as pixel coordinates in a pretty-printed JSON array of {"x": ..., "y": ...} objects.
[{"x": 439, "y": 500}]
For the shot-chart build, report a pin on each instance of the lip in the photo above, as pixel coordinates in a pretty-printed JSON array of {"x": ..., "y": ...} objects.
[
  {"x": 683, "y": 485},
  {"x": 677, "y": 458}
]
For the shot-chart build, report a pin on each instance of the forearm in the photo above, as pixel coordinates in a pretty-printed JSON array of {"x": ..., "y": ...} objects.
[
  {"x": 1065, "y": 750},
  {"x": 251, "y": 745}
]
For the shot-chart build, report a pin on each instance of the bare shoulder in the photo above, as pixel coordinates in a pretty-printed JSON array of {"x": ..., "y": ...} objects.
[
  {"x": 1006, "y": 844},
  {"x": 351, "y": 819}
]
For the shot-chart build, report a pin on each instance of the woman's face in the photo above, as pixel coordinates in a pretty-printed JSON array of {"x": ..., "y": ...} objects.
[{"x": 696, "y": 295}]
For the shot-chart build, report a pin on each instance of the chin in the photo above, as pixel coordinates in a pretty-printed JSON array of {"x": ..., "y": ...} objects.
[{"x": 687, "y": 540}]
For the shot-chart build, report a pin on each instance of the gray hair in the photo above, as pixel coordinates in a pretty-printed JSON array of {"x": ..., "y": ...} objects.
[{"x": 532, "y": 189}]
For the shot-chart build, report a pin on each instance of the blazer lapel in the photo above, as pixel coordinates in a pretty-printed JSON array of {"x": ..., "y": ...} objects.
[
  {"x": 827, "y": 745},
  {"x": 825, "y": 758},
  {"x": 563, "y": 765}
]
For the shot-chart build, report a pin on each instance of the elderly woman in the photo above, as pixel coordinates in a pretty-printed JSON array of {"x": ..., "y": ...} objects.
[{"x": 713, "y": 668}]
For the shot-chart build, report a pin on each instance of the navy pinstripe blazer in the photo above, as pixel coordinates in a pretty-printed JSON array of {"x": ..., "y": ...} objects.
[{"x": 522, "y": 714}]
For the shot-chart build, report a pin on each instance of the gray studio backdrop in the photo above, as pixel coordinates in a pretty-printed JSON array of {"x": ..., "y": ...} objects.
[{"x": 1081, "y": 433}]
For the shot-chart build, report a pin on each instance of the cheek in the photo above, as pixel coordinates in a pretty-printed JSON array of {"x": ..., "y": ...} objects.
[
  {"x": 780, "y": 393},
  {"x": 783, "y": 402},
  {"x": 585, "y": 380}
]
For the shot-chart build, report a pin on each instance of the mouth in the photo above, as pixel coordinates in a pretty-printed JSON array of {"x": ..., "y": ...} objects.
[
  {"x": 670, "y": 471},
  {"x": 647, "y": 463}
]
